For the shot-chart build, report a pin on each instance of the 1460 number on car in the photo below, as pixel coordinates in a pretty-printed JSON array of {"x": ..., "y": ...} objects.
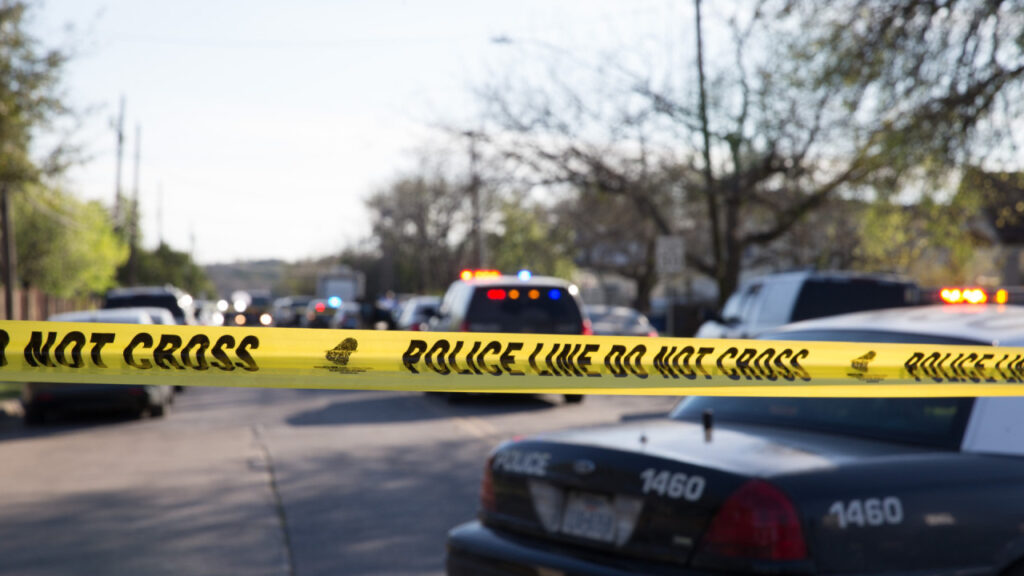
[{"x": 672, "y": 484}]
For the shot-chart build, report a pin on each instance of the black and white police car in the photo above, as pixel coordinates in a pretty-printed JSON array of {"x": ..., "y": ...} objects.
[{"x": 888, "y": 486}]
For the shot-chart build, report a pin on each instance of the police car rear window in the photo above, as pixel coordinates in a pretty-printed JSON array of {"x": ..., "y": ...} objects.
[
  {"x": 524, "y": 308},
  {"x": 935, "y": 422}
]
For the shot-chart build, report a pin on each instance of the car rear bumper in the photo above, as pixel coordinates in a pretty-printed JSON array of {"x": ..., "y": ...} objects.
[{"x": 476, "y": 550}]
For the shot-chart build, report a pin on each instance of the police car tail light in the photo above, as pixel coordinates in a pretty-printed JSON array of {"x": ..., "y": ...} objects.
[
  {"x": 757, "y": 522},
  {"x": 487, "y": 501}
]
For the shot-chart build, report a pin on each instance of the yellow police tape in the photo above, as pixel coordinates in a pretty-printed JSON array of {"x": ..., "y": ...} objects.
[{"x": 477, "y": 362}]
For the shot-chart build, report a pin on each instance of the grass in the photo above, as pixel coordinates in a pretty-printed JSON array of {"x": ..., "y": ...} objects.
[{"x": 9, "y": 391}]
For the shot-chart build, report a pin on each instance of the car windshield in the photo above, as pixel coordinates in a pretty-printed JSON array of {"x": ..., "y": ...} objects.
[
  {"x": 518, "y": 308},
  {"x": 167, "y": 301},
  {"x": 934, "y": 422}
]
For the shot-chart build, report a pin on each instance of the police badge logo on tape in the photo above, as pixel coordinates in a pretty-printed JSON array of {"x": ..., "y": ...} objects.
[
  {"x": 340, "y": 355},
  {"x": 861, "y": 369}
]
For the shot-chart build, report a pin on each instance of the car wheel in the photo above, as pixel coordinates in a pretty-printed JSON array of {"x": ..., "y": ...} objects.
[
  {"x": 573, "y": 398},
  {"x": 34, "y": 415}
]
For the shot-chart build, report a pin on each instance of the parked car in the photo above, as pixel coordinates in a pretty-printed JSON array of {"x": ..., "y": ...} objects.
[
  {"x": 770, "y": 301},
  {"x": 417, "y": 312},
  {"x": 773, "y": 485},
  {"x": 177, "y": 301},
  {"x": 288, "y": 311},
  {"x": 250, "y": 309},
  {"x": 346, "y": 316},
  {"x": 319, "y": 312},
  {"x": 42, "y": 399},
  {"x": 619, "y": 321}
]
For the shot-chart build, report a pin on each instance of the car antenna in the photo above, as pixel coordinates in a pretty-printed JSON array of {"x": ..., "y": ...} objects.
[{"x": 707, "y": 418}]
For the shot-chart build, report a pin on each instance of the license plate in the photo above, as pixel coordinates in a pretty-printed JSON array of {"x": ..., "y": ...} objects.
[{"x": 590, "y": 516}]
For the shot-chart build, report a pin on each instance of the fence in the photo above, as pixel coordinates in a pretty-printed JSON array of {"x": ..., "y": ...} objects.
[{"x": 32, "y": 304}]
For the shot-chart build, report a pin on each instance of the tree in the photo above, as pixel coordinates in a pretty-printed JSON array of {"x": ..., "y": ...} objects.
[
  {"x": 419, "y": 223},
  {"x": 29, "y": 103},
  {"x": 165, "y": 265},
  {"x": 30, "y": 99},
  {"x": 530, "y": 237},
  {"x": 792, "y": 118},
  {"x": 67, "y": 247},
  {"x": 942, "y": 80}
]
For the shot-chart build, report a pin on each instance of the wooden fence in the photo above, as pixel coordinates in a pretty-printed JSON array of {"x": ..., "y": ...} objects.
[{"x": 31, "y": 304}]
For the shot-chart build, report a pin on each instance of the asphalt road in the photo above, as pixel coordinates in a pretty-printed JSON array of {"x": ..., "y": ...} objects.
[{"x": 264, "y": 482}]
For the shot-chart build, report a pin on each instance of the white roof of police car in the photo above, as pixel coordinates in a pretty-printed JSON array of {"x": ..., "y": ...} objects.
[{"x": 994, "y": 324}]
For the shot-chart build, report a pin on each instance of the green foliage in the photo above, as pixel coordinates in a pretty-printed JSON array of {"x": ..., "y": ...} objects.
[
  {"x": 29, "y": 96},
  {"x": 938, "y": 80},
  {"x": 164, "y": 265},
  {"x": 929, "y": 241},
  {"x": 66, "y": 247},
  {"x": 531, "y": 239}
]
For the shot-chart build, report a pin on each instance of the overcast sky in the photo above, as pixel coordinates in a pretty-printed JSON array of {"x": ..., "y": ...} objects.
[{"x": 265, "y": 124}]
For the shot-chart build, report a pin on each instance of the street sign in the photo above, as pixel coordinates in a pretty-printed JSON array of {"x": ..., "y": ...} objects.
[{"x": 670, "y": 255}]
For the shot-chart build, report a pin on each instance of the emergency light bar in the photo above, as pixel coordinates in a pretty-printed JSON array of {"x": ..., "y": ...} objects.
[{"x": 952, "y": 295}]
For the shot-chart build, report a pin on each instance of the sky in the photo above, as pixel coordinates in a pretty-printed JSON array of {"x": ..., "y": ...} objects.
[{"x": 265, "y": 124}]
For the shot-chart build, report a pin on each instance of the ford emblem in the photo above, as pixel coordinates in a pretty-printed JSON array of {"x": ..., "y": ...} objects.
[{"x": 583, "y": 467}]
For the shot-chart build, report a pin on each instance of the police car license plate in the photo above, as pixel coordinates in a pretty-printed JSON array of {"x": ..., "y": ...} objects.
[{"x": 590, "y": 516}]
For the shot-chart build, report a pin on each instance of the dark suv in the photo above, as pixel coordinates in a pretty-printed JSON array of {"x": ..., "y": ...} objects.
[
  {"x": 767, "y": 302},
  {"x": 512, "y": 304},
  {"x": 174, "y": 299}
]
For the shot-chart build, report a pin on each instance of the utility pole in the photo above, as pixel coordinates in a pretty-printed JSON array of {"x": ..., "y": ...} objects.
[
  {"x": 709, "y": 178},
  {"x": 479, "y": 255},
  {"x": 133, "y": 216},
  {"x": 160, "y": 212},
  {"x": 120, "y": 154}
]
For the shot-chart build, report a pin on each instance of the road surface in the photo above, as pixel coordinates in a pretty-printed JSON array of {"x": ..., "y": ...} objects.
[{"x": 264, "y": 482}]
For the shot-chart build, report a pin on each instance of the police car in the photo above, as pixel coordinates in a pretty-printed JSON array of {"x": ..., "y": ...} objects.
[
  {"x": 773, "y": 485},
  {"x": 488, "y": 301}
]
